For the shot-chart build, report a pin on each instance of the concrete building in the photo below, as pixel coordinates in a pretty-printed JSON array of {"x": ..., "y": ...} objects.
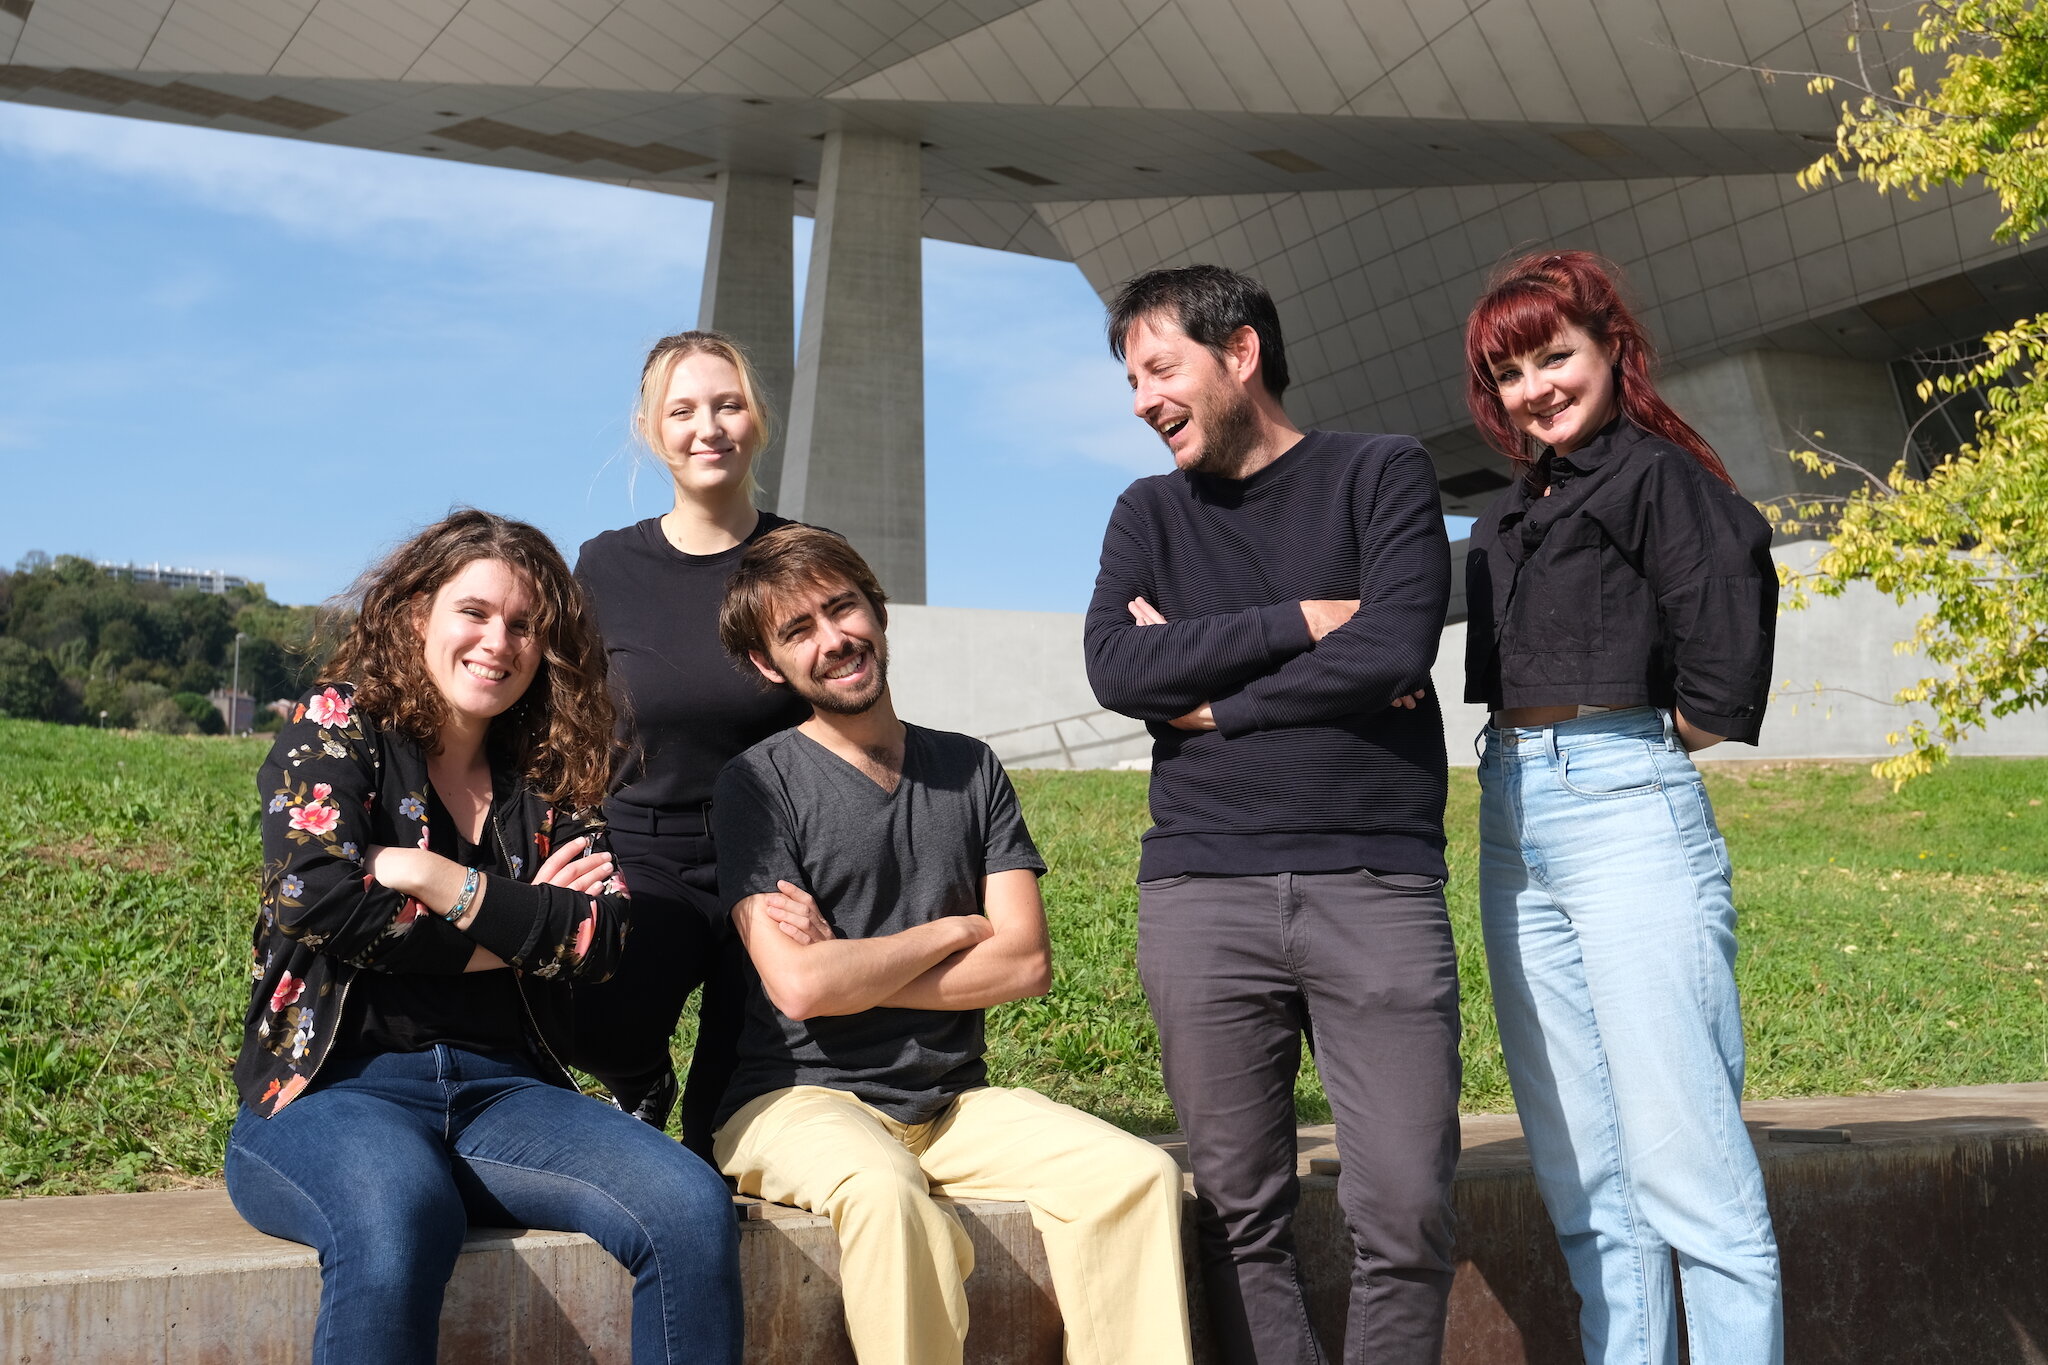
[
  {"x": 1369, "y": 160},
  {"x": 215, "y": 581}
]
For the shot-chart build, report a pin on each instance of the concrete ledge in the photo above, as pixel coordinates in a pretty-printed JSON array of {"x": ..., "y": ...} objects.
[{"x": 1920, "y": 1239}]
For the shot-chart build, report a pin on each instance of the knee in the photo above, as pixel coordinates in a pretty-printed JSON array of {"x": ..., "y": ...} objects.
[
  {"x": 1144, "y": 1174},
  {"x": 880, "y": 1195}
]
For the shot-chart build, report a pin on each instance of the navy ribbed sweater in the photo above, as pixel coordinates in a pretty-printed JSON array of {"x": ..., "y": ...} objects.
[{"x": 1310, "y": 768}]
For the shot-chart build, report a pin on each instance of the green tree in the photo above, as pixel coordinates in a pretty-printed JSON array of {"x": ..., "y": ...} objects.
[
  {"x": 30, "y": 687},
  {"x": 200, "y": 712},
  {"x": 1970, "y": 540}
]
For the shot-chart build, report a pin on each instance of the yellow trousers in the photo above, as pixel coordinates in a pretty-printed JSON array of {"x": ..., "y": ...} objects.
[{"x": 1106, "y": 1204}]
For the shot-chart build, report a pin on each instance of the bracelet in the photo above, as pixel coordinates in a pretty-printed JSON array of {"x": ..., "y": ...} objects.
[{"x": 461, "y": 906}]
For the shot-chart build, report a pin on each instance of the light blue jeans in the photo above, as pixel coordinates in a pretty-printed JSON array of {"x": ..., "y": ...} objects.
[{"x": 1610, "y": 937}]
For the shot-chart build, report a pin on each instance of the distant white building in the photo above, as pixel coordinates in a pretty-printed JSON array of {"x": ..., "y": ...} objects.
[{"x": 206, "y": 580}]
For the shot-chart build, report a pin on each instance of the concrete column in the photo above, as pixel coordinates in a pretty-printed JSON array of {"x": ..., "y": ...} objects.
[
  {"x": 855, "y": 458},
  {"x": 1755, "y": 406},
  {"x": 748, "y": 295}
]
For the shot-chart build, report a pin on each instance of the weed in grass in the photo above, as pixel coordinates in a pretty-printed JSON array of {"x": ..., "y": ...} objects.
[{"x": 1887, "y": 941}]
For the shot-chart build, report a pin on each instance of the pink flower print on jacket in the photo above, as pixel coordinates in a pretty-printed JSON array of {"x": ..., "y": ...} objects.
[
  {"x": 317, "y": 820},
  {"x": 287, "y": 992},
  {"x": 585, "y": 933},
  {"x": 328, "y": 709}
]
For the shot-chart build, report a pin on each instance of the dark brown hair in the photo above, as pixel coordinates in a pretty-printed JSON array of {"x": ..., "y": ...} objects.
[
  {"x": 1527, "y": 303},
  {"x": 560, "y": 731},
  {"x": 1209, "y": 303},
  {"x": 787, "y": 559}
]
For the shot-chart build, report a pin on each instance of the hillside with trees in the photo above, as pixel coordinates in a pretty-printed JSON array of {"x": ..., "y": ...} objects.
[{"x": 76, "y": 641}]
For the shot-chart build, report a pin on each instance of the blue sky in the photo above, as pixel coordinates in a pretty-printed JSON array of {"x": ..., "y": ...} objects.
[{"x": 276, "y": 358}]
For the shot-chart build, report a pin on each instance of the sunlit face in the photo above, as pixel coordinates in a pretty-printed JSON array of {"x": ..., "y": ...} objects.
[
  {"x": 1560, "y": 393},
  {"x": 1193, "y": 399},
  {"x": 704, "y": 429},
  {"x": 828, "y": 643},
  {"x": 476, "y": 638}
]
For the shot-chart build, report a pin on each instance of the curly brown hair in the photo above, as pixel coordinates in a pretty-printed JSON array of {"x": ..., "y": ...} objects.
[{"x": 559, "y": 732}]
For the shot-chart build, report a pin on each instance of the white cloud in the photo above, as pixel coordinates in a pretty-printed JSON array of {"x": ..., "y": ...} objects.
[{"x": 401, "y": 205}]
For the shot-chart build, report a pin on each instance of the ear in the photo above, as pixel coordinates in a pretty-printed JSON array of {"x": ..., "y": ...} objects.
[
  {"x": 765, "y": 668},
  {"x": 1242, "y": 352}
]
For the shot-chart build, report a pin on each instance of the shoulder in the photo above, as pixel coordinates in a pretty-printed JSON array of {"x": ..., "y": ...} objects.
[
  {"x": 607, "y": 548},
  {"x": 759, "y": 765},
  {"x": 951, "y": 746}
]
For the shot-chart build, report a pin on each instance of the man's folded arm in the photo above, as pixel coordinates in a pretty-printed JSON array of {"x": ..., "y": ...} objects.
[
  {"x": 842, "y": 975},
  {"x": 1162, "y": 671},
  {"x": 1012, "y": 963},
  {"x": 1386, "y": 649}
]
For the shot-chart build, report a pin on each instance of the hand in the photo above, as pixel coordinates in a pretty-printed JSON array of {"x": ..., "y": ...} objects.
[
  {"x": 1326, "y": 614},
  {"x": 1144, "y": 613},
  {"x": 796, "y": 914},
  {"x": 1408, "y": 703},
  {"x": 1201, "y": 718},
  {"x": 979, "y": 929},
  {"x": 568, "y": 866}
]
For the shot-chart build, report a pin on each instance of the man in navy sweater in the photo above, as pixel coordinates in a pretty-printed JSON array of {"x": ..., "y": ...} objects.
[{"x": 1271, "y": 609}]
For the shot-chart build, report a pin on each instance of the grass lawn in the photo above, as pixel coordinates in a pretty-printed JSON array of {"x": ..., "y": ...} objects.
[{"x": 1888, "y": 942}]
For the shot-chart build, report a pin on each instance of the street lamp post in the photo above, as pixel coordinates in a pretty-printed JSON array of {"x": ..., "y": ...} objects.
[{"x": 235, "y": 688}]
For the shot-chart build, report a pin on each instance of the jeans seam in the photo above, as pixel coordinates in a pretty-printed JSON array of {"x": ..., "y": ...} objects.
[
  {"x": 653, "y": 1246},
  {"x": 324, "y": 1319}
]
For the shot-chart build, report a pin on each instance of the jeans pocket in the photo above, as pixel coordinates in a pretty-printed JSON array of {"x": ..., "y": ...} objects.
[
  {"x": 1609, "y": 769},
  {"x": 1406, "y": 883},
  {"x": 1165, "y": 883}
]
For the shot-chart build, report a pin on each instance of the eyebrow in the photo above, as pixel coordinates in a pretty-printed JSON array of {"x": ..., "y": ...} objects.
[{"x": 796, "y": 623}]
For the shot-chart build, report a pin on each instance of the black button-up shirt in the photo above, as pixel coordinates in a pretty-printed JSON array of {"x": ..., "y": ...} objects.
[{"x": 1640, "y": 580}]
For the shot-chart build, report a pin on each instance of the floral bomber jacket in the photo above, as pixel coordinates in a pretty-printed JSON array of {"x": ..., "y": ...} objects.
[{"x": 337, "y": 783}]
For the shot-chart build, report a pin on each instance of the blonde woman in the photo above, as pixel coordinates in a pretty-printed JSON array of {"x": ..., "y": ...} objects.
[{"x": 655, "y": 587}]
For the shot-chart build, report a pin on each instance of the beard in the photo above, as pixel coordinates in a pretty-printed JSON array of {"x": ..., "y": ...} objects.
[
  {"x": 836, "y": 701},
  {"x": 1228, "y": 437}
]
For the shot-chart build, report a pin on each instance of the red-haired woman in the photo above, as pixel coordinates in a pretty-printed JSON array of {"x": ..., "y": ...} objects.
[
  {"x": 432, "y": 884},
  {"x": 1622, "y": 603}
]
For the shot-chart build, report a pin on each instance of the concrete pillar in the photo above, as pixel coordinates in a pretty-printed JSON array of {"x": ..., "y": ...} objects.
[
  {"x": 1755, "y": 406},
  {"x": 748, "y": 295},
  {"x": 855, "y": 458}
]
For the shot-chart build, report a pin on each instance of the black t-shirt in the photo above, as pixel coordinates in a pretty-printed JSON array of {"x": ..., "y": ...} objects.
[
  {"x": 684, "y": 709},
  {"x": 878, "y": 863},
  {"x": 410, "y": 1012}
]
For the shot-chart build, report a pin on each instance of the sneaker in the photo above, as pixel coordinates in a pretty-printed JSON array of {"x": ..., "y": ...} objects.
[{"x": 652, "y": 1105}]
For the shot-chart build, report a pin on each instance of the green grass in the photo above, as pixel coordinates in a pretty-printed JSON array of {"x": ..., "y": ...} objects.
[{"x": 1888, "y": 942}]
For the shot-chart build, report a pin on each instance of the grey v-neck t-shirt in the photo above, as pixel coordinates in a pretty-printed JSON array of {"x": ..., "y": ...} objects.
[{"x": 878, "y": 863}]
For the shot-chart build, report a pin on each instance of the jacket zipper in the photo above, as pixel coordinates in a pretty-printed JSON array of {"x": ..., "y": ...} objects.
[{"x": 519, "y": 977}]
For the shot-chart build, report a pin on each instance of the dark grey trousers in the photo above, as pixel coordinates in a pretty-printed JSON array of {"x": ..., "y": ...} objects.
[{"x": 1238, "y": 969}]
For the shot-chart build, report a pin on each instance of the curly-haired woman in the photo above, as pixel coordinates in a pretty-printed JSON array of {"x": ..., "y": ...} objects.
[
  {"x": 432, "y": 885},
  {"x": 1623, "y": 603}
]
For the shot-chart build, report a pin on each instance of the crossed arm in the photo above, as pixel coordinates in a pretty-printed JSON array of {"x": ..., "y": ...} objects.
[
  {"x": 436, "y": 882},
  {"x": 956, "y": 962}
]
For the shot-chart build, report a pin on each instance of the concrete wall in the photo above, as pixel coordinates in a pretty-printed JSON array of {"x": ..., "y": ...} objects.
[{"x": 1008, "y": 676}]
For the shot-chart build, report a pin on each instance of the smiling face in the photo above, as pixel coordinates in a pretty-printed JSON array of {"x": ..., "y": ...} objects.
[
  {"x": 1561, "y": 392},
  {"x": 703, "y": 428},
  {"x": 828, "y": 644},
  {"x": 1198, "y": 402},
  {"x": 476, "y": 639}
]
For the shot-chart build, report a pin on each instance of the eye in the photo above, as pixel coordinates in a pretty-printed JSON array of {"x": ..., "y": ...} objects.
[
  {"x": 520, "y": 627},
  {"x": 473, "y": 613}
]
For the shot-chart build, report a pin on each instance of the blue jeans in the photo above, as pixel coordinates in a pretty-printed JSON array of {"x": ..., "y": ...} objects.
[
  {"x": 1610, "y": 938},
  {"x": 387, "y": 1160}
]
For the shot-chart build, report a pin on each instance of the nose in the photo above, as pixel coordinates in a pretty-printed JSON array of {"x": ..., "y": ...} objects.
[
  {"x": 1144, "y": 402},
  {"x": 829, "y": 637}
]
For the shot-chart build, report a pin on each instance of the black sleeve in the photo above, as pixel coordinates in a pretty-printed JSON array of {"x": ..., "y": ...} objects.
[
  {"x": 1385, "y": 650},
  {"x": 319, "y": 786},
  {"x": 1160, "y": 672},
  {"x": 1008, "y": 846},
  {"x": 1707, "y": 557},
  {"x": 752, "y": 829},
  {"x": 548, "y": 931}
]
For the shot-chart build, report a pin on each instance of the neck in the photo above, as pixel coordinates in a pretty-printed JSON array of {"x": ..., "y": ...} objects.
[
  {"x": 462, "y": 743},
  {"x": 706, "y": 522},
  {"x": 1274, "y": 435},
  {"x": 874, "y": 728}
]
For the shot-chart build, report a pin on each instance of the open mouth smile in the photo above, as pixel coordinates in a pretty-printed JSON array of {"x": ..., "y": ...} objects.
[
  {"x": 1173, "y": 428},
  {"x": 483, "y": 673}
]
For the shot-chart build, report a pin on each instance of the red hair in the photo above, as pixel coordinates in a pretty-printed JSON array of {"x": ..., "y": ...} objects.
[{"x": 1530, "y": 301}]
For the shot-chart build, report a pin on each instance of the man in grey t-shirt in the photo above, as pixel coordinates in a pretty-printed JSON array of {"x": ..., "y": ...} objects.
[{"x": 885, "y": 886}]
